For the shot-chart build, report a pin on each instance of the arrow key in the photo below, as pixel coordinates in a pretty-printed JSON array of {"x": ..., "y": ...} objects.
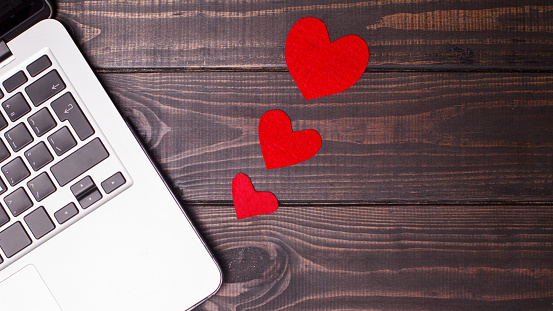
[
  {"x": 86, "y": 192},
  {"x": 65, "y": 213},
  {"x": 90, "y": 198},
  {"x": 82, "y": 187},
  {"x": 114, "y": 182}
]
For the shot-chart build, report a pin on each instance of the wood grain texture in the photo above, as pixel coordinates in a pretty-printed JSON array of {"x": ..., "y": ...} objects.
[
  {"x": 393, "y": 136},
  {"x": 472, "y": 34},
  {"x": 432, "y": 191},
  {"x": 382, "y": 257}
]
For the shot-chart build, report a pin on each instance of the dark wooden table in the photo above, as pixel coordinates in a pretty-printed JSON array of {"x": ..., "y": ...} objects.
[{"x": 433, "y": 189}]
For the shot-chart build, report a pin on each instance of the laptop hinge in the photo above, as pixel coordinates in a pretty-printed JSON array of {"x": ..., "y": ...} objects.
[{"x": 5, "y": 52}]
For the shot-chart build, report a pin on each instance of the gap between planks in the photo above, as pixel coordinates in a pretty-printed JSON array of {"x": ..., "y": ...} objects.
[
  {"x": 450, "y": 69},
  {"x": 380, "y": 203}
]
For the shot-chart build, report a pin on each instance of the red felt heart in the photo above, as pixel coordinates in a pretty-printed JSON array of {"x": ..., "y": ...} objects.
[
  {"x": 247, "y": 201},
  {"x": 280, "y": 145},
  {"x": 320, "y": 67}
]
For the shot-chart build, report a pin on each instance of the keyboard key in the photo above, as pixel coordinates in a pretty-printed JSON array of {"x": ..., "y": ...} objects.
[
  {"x": 3, "y": 187},
  {"x": 86, "y": 192},
  {"x": 66, "y": 108},
  {"x": 90, "y": 198},
  {"x": 1, "y": 94},
  {"x": 4, "y": 153},
  {"x": 15, "y": 171},
  {"x": 117, "y": 180},
  {"x": 14, "y": 239},
  {"x": 62, "y": 141},
  {"x": 39, "y": 65},
  {"x": 41, "y": 122},
  {"x": 15, "y": 81},
  {"x": 3, "y": 122},
  {"x": 18, "y": 137},
  {"x": 4, "y": 218},
  {"x": 45, "y": 88},
  {"x": 79, "y": 161},
  {"x": 18, "y": 202},
  {"x": 65, "y": 213},
  {"x": 16, "y": 107},
  {"x": 38, "y": 156},
  {"x": 39, "y": 222},
  {"x": 83, "y": 186},
  {"x": 41, "y": 186}
]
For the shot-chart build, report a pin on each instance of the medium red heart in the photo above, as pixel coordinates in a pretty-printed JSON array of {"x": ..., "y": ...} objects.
[
  {"x": 320, "y": 67},
  {"x": 247, "y": 201},
  {"x": 280, "y": 145}
]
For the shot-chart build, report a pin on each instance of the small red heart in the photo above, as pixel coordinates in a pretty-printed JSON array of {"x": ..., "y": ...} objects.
[
  {"x": 280, "y": 145},
  {"x": 247, "y": 201},
  {"x": 320, "y": 67}
]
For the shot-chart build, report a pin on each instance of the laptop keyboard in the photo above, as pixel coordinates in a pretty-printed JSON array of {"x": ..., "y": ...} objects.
[{"x": 50, "y": 152}]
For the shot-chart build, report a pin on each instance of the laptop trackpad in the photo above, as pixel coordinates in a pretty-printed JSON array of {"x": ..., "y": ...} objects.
[{"x": 26, "y": 291}]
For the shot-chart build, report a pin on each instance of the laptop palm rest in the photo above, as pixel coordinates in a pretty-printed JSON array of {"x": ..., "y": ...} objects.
[{"x": 15, "y": 292}]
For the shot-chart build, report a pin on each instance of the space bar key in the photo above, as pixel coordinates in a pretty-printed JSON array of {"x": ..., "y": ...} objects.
[{"x": 79, "y": 162}]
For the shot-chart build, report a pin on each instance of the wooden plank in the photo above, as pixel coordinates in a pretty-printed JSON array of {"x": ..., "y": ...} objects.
[
  {"x": 443, "y": 34},
  {"x": 393, "y": 136},
  {"x": 382, "y": 257}
]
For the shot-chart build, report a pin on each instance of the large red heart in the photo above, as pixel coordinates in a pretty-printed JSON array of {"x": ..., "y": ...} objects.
[
  {"x": 280, "y": 145},
  {"x": 320, "y": 67},
  {"x": 247, "y": 201}
]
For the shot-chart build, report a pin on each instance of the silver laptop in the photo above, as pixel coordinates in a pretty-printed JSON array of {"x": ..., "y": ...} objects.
[{"x": 86, "y": 221}]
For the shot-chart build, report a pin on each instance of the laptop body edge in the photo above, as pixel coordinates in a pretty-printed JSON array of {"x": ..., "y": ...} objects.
[{"x": 135, "y": 251}]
